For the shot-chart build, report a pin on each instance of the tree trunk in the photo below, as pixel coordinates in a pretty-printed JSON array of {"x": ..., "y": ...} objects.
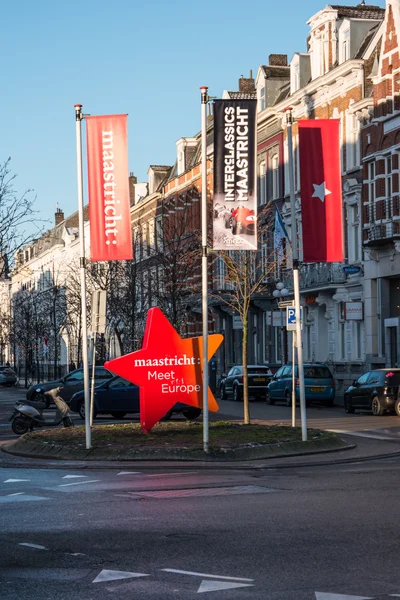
[{"x": 246, "y": 407}]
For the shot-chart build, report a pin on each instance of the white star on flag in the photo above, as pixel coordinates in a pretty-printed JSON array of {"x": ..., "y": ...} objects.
[{"x": 320, "y": 191}]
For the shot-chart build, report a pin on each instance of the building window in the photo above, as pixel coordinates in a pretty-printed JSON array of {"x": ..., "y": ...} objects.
[
  {"x": 342, "y": 332},
  {"x": 159, "y": 234},
  {"x": 388, "y": 185},
  {"x": 352, "y": 142},
  {"x": 262, "y": 98},
  {"x": 262, "y": 183},
  {"x": 296, "y": 77},
  {"x": 371, "y": 192},
  {"x": 346, "y": 45},
  {"x": 136, "y": 243},
  {"x": 357, "y": 336},
  {"x": 152, "y": 242},
  {"x": 353, "y": 233},
  {"x": 275, "y": 176}
]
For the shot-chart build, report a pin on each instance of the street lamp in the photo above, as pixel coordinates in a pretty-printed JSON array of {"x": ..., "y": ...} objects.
[{"x": 281, "y": 292}]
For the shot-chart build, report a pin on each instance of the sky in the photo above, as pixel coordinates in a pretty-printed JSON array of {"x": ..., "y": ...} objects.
[{"x": 144, "y": 58}]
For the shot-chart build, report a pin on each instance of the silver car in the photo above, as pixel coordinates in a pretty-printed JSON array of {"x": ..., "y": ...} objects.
[{"x": 8, "y": 377}]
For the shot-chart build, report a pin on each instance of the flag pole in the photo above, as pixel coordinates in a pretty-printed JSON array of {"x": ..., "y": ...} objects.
[
  {"x": 204, "y": 273},
  {"x": 296, "y": 286},
  {"x": 82, "y": 265}
]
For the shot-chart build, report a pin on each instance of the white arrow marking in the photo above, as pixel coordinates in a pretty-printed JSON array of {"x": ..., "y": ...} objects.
[
  {"x": 36, "y": 546},
  {"x": 205, "y": 575},
  {"x": 129, "y": 473},
  {"x": 78, "y": 482},
  {"x": 16, "y": 494},
  {"x": 75, "y": 554},
  {"x": 323, "y": 596},
  {"x": 208, "y": 585},
  {"x": 15, "y": 480},
  {"x": 74, "y": 476},
  {"x": 106, "y": 575}
]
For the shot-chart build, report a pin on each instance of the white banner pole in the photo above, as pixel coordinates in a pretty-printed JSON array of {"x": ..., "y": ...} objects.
[
  {"x": 204, "y": 273},
  {"x": 296, "y": 287},
  {"x": 82, "y": 264}
]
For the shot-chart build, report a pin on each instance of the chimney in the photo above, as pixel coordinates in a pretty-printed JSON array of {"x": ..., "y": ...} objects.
[
  {"x": 278, "y": 60},
  {"x": 247, "y": 84},
  {"x": 132, "y": 182},
  {"x": 59, "y": 216}
]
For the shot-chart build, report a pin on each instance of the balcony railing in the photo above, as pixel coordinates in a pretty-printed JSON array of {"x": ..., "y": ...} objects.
[
  {"x": 381, "y": 221},
  {"x": 317, "y": 275}
]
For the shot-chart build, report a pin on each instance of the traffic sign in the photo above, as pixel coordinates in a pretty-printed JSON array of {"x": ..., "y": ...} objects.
[
  {"x": 285, "y": 303},
  {"x": 291, "y": 318}
]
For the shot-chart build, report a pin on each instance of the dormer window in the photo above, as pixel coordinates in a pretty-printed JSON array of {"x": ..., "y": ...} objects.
[
  {"x": 346, "y": 45},
  {"x": 262, "y": 98}
]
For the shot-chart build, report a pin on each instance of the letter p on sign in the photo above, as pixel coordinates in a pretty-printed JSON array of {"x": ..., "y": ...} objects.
[{"x": 291, "y": 318}]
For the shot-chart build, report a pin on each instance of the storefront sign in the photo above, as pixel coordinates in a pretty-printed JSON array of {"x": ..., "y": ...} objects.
[
  {"x": 354, "y": 311},
  {"x": 168, "y": 369}
]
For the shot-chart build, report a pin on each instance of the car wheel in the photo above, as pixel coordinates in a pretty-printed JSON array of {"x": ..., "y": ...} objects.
[
  {"x": 376, "y": 406},
  {"x": 41, "y": 397},
  {"x": 118, "y": 415},
  {"x": 237, "y": 396},
  {"x": 168, "y": 415},
  {"x": 347, "y": 406},
  {"x": 192, "y": 414},
  {"x": 268, "y": 398},
  {"x": 81, "y": 410},
  {"x": 288, "y": 398},
  {"x": 397, "y": 407},
  {"x": 222, "y": 393}
]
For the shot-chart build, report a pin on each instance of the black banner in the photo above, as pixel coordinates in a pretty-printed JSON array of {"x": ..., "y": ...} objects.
[{"x": 235, "y": 181}]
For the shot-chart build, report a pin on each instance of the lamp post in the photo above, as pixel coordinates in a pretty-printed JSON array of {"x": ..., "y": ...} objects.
[{"x": 281, "y": 292}]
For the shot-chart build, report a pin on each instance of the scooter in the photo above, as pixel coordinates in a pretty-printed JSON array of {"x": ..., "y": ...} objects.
[{"x": 28, "y": 415}]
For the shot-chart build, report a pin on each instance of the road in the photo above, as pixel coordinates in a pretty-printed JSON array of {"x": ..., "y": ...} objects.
[{"x": 325, "y": 532}]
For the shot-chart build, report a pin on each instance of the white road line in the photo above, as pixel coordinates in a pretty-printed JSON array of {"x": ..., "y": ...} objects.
[
  {"x": 74, "y": 476},
  {"x": 208, "y": 585},
  {"x": 205, "y": 575},
  {"x": 78, "y": 483},
  {"x": 16, "y": 494},
  {"x": 35, "y": 546},
  {"x": 171, "y": 474},
  {"x": 129, "y": 473},
  {"x": 15, "y": 480},
  {"x": 358, "y": 434}
]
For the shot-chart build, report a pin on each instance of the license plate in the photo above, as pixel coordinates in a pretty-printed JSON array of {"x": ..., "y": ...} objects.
[
  {"x": 317, "y": 389},
  {"x": 258, "y": 378}
]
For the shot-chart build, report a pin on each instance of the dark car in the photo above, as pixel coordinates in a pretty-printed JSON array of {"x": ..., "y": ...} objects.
[
  {"x": 232, "y": 383},
  {"x": 8, "y": 377},
  {"x": 375, "y": 391},
  {"x": 318, "y": 382},
  {"x": 118, "y": 397},
  {"x": 71, "y": 383}
]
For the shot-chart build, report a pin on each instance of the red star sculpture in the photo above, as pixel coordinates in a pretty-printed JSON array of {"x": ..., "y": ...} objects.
[{"x": 168, "y": 369}]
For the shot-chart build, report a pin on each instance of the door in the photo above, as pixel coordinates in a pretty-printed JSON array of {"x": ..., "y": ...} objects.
[
  {"x": 360, "y": 392},
  {"x": 72, "y": 383},
  {"x": 119, "y": 395},
  {"x": 230, "y": 378}
]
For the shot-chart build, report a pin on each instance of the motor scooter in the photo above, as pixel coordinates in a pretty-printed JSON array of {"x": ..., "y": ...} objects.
[{"x": 28, "y": 415}]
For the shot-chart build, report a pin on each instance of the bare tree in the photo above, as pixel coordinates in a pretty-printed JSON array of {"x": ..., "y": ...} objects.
[
  {"x": 16, "y": 215},
  {"x": 247, "y": 274}
]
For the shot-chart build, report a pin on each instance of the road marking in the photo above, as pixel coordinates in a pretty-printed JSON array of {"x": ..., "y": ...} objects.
[
  {"x": 74, "y": 476},
  {"x": 359, "y": 434},
  {"x": 78, "y": 483},
  {"x": 20, "y": 498},
  {"x": 35, "y": 546},
  {"x": 205, "y": 575},
  {"x": 214, "y": 586},
  {"x": 323, "y": 596},
  {"x": 172, "y": 474},
  {"x": 16, "y": 494},
  {"x": 15, "y": 480},
  {"x": 75, "y": 554},
  {"x": 106, "y": 575},
  {"x": 129, "y": 473}
]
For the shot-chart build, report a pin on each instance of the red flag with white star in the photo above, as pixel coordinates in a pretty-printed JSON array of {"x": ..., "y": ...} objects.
[{"x": 321, "y": 190}]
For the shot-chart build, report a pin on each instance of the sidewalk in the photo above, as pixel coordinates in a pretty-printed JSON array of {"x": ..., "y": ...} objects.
[{"x": 359, "y": 450}]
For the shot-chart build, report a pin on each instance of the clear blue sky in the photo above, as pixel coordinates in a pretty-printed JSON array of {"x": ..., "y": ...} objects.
[{"x": 144, "y": 58}]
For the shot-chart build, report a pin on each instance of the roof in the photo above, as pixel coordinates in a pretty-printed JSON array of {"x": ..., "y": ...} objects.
[
  {"x": 160, "y": 167},
  {"x": 275, "y": 71},
  {"x": 366, "y": 41},
  {"x": 242, "y": 95},
  {"x": 361, "y": 11}
]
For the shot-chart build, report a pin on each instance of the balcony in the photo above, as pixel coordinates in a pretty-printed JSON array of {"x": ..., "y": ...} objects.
[
  {"x": 381, "y": 221},
  {"x": 379, "y": 235},
  {"x": 317, "y": 276}
]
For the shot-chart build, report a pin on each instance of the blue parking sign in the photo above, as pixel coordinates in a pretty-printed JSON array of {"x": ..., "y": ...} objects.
[{"x": 291, "y": 318}]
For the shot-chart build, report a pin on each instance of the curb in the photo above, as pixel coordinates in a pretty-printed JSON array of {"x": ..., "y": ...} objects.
[{"x": 49, "y": 451}]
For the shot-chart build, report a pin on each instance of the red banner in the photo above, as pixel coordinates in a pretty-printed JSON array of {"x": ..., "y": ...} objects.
[
  {"x": 109, "y": 205},
  {"x": 321, "y": 190}
]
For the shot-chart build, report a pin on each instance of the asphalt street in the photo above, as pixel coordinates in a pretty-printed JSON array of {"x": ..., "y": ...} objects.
[{"x": 322, "y": 532}]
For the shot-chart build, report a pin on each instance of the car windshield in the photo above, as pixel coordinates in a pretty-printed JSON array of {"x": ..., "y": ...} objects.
[
  {"x": 317, "y": 372},
  {"x": 392, "y": 378}
]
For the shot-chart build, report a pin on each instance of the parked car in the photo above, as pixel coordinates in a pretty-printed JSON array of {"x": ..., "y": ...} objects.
[
  {"x": 318, "y": 382},
  {"x": 376, "y": 391},
  {"x": 8, "y": 377},
  {"x": 71, "y": 383},
  {"x": 232, "y": 383},
  {"x": 118, "y": 397}
]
